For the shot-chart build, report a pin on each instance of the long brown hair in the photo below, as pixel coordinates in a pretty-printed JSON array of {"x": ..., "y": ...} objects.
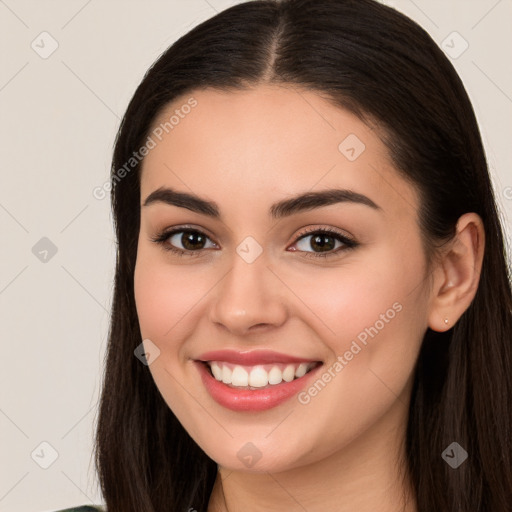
[{"x": 380, "y": 65}]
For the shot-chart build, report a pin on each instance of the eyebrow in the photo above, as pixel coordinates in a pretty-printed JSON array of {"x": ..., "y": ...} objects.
[{"x": 284, "y": 208}]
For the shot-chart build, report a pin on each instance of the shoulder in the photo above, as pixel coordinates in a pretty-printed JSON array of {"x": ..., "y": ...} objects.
[{"x": 85, "y": 508}]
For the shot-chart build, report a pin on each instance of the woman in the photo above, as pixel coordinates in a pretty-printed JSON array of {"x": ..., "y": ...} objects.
[{"x": 312, "y": 306}]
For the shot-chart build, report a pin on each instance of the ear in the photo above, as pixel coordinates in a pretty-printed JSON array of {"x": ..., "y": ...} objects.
[{"x": 457, "y": 273}]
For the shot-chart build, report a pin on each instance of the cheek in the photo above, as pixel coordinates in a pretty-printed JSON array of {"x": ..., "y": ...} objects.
[
  {"x": 164, "y": 295},
  {"x": 153, "y": 298},
  {"x": 367, "y": 298},
  {"x": 372, "y": 318}
]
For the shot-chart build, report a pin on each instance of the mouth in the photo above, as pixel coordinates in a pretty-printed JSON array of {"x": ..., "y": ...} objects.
[{"x": 255, "y": 380}]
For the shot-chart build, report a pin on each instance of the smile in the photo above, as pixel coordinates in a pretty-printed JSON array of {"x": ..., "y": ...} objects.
[{"x": 255, "y": 380}]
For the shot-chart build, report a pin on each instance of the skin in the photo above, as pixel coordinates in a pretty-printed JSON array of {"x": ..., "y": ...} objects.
[{"x": 245, "y": 150}]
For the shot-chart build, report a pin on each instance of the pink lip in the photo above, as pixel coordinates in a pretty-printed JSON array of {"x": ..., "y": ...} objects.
[
  {"x": 251, "y": 358},
  {"x": 251, "y": 400}
]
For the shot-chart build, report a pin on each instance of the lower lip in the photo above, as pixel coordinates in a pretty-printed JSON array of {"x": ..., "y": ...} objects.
[{"x": 252, "y": 400}]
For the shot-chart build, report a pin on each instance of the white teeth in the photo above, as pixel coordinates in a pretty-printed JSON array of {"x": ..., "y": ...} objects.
[
  {"x": 289, "y": 373},
  {"x": 217, "y": 371},
  {"x": 226, "y": 374},
  {"x": 239, "y": 377},
  {"x": 258, "y": 376},
  {"x": 275, "y": 376},
  {"x": 301, "y": 370}
]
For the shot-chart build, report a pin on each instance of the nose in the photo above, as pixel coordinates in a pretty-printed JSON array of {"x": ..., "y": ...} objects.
[{"x": 250, "y": 298}]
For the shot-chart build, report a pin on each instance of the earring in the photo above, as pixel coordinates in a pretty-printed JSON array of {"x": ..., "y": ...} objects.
[{"x": 446, "y": 320}]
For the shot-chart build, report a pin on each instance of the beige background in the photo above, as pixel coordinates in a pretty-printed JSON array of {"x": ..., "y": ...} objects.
[{"x": 58, "y": 120}]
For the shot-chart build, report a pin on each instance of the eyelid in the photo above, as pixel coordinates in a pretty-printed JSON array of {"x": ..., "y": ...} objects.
[{"x": 316, "y": 229}]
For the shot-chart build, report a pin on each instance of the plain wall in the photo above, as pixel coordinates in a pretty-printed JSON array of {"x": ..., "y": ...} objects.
[{"x": 59, "y": 116}]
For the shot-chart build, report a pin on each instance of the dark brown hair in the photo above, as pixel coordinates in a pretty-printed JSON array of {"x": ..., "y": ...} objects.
[{"x": 380, "y": 65}]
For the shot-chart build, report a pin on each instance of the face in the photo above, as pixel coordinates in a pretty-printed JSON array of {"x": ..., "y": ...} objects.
[{"x": 249, "y": 273}]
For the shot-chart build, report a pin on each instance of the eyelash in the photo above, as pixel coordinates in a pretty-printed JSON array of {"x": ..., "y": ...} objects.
[{"x": 348, "y": 243}]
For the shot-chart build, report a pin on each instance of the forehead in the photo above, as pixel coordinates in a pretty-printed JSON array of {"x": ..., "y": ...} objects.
[{"x": 267, "y": 142}]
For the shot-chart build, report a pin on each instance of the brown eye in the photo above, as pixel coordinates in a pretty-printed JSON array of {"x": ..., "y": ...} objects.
[
  {"x": 190, "y": 240},
  {"x": 324, "y": 243},
  {"x": 185, "y": 242}
]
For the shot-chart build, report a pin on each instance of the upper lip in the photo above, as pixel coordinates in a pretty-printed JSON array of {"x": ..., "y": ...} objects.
[{"x": 252, "y": 357}]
